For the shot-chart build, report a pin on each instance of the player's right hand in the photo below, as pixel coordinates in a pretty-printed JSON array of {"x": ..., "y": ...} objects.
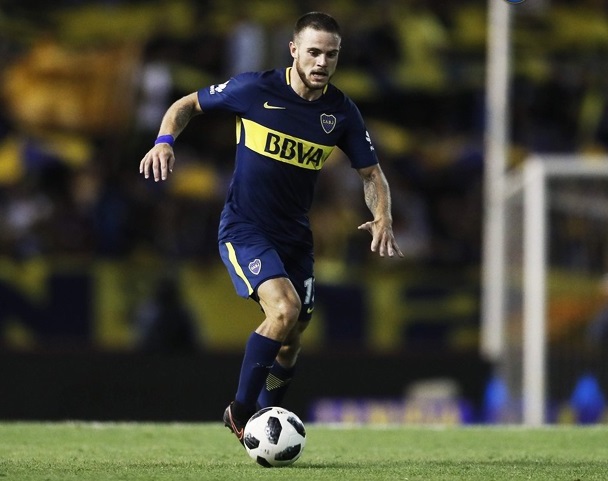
[{"x": 159, "y": 160}]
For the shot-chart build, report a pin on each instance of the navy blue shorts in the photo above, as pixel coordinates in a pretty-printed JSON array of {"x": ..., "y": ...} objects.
[{"x": 252, "y": 262}]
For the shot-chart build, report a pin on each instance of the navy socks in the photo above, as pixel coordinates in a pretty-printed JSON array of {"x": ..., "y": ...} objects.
[{"x": 260, "y": 353}]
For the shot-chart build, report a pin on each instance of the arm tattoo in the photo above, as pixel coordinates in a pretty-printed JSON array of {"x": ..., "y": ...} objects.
[
  {"x": 183, "y": 116},
  {"x": 371, "y": 194},
  {"x": 177, "y": 117},
  {"x": 377, "y": 195}
]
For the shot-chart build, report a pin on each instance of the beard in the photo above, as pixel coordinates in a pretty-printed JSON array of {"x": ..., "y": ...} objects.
[{"x": 309, "y": 85}]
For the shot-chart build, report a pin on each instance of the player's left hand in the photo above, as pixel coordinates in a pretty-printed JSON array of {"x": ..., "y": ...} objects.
[{"x": 383, "y": 239}]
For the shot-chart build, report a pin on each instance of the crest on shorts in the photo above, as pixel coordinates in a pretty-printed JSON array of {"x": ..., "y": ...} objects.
[
  {"x": 255, "y": 266},
  {"x": 328, "y": 122}
]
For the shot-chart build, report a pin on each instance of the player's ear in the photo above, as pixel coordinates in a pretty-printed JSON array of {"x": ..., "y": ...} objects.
[{"x": 293, "y": 48}]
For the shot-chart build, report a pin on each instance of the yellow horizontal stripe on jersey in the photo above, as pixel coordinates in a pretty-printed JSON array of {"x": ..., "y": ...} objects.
[{"x": 284, "y": 148}]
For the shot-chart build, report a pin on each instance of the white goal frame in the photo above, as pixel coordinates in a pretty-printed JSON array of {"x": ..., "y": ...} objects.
[
  {"x": 499, "y": 184},
  {"x": 531, "y": 180}
]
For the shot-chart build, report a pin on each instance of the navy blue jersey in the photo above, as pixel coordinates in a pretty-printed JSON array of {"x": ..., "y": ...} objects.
[{"x": 283, "y": 141}]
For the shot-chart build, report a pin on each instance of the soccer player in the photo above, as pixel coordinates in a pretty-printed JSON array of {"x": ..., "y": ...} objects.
[{"x": 288, "y": 122}]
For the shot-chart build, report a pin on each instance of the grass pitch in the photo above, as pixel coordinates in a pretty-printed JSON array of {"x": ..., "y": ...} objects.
[{"x": 205, "y": 452}]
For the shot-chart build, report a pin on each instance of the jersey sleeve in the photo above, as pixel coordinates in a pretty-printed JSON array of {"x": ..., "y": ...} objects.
[
  {"x": 356, "y": 142},
  {"x": 234, "y": 95}
]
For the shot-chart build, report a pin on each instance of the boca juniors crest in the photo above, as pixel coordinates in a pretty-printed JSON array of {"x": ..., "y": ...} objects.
[
  {"x": 255, "y": 266},
  {"x": 328, "y": 122}
]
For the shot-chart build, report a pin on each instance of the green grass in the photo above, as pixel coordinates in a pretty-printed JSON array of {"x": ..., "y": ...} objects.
[{"x": 204, "y": 452}]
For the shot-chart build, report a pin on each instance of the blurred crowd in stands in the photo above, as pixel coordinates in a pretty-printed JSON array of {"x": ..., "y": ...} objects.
[{"x": 84, "y": 85}]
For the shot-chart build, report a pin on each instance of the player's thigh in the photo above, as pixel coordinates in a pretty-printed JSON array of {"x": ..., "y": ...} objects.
[
  {"x": 252, "y": 260},
  {"x": 279, "y": 299}
]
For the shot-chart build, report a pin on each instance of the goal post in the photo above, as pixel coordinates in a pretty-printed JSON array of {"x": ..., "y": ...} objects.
[
  {"x": 546, "y": 192},
  {"x": 496, "y": 137},
  {"x": 518, "y": 238}
]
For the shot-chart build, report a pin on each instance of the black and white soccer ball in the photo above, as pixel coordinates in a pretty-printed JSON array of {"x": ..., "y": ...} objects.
[{"x": 274, "y": 437}]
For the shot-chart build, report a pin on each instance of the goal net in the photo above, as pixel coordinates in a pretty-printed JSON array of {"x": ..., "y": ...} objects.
[{"x": 555, "y": 320}]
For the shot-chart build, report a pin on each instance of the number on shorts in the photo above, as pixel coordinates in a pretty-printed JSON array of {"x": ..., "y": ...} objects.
[{"x": 309, "y": 284}]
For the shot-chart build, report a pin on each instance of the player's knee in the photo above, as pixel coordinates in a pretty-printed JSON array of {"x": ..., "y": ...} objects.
[{"x": 286, "y": 313}]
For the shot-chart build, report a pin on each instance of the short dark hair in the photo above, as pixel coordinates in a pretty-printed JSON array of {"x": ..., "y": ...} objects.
[{"x": 317, "y": 21}]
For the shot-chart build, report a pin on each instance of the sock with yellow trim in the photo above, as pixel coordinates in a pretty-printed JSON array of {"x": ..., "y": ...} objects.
[{"x": 276, "y": 385}]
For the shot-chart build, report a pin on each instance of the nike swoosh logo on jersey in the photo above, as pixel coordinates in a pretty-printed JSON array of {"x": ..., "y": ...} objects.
[
  {"x": 309, "y": 310},
  {"x": 273, "y": 107}
]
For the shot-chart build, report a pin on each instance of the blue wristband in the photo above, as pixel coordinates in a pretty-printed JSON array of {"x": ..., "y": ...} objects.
[{"x": 165, "y": 139}]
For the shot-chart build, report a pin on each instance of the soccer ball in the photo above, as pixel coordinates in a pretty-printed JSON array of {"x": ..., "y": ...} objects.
[{"x": 274, "y": 437}]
